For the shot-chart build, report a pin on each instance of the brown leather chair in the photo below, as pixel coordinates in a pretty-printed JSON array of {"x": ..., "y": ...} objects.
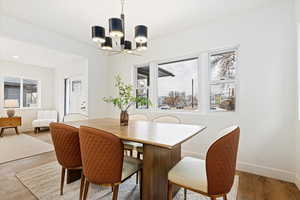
[
  {"x": 67, "y": 148},
  {"x": 104, "y": 162},
  {"x": 212, "y": 177}
]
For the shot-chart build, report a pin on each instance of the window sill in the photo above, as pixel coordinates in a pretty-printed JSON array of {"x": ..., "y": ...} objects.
[
  {"x": 20, "y": 109},
  {"x": 177, "y": 112}
]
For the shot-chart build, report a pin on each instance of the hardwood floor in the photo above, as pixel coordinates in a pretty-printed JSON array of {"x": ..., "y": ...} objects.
[{"x": 251, "y": 187}]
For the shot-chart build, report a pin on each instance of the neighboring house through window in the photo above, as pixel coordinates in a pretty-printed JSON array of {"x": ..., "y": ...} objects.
[{"x": 24, "y": 91}]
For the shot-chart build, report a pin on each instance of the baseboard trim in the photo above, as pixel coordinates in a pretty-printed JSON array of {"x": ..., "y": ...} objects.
[{"x": 257, "y": 169}]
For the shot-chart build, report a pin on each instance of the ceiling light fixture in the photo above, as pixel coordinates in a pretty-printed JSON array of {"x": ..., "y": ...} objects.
[
  {"x": 116, "y": 42},
  {"x": 15, "y": 57}
]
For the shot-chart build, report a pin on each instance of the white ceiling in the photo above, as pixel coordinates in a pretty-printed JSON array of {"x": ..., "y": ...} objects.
[
  {"x": 73, "y": 18},
  {"x": 35, "y": 55}
]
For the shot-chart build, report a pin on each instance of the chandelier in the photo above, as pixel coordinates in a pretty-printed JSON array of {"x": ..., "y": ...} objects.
[{"x": 116, "y": 41}]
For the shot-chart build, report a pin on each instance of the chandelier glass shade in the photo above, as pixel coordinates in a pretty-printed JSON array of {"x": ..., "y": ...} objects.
[{"x": 116, "y": 41}]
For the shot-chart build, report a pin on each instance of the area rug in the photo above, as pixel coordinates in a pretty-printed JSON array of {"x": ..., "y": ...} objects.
[
  {"x": 21, "y": 146},
  {"x": 44, "y": 183}
]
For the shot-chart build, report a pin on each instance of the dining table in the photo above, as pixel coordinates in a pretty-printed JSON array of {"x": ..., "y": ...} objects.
[{"x": 161, "y": 148}]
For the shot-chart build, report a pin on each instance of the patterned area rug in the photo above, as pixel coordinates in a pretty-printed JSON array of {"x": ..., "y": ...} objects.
[
  {"x": 44, "y": 183},
  {"x": 21, "y": 146}
]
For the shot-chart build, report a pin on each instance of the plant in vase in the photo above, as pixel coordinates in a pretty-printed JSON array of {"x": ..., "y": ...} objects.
[{"x": 125, "y": 99}]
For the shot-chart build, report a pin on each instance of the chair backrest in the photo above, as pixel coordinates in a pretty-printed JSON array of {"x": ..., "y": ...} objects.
[
  {"x": 167, "y": 119},
  {"x": 66, "y": 143},
  {"x": 221, "y": 162},
  {"x": 47, "y": 114},
  {"x": 75, "y": 117},
  {"x": 102, "y": 156},
  {"x": 138, "y": 117}
]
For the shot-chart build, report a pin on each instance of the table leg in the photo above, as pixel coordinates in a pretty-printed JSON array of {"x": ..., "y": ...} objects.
[
  {"x": 1, "y": 133},
  {"x": 157, "y": 163},
  {"x": 17, "y": 131},
  {"x": 73, "y": 175}
]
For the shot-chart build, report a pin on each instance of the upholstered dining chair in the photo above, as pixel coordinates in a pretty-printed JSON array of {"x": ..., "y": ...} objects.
[
  {"x": 104, "y": 162},
  {"x": 163, "y": 119},
  {"x": 75, "y": 117},
  {"x": 212, "y": 177},
  {"x": 130, "y": 146},
  {"x": 167, "y": 119},
  {"x": 66, "y": 144}
]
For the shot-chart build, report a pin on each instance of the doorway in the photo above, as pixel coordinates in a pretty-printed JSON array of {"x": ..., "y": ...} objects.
[{"x": 75, "y": 100}]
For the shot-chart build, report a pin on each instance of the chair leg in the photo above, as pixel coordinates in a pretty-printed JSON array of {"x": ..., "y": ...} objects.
[
  {"x": 137, "y": 178},
  {"x": 225, "y": 197},
  {"x": 131, "y": 152},
  {"x": 139, "y": 155},
  {"x": 86, "y": 189},
  {"x": 115, "y": 192},
  {"x": 141, "y": 184},
  {"x": 62, "y": 180},
  {"x": 81, "y": 185},
  {"x": 184, "y": 191},
  {"x": 170, "y": 193}
]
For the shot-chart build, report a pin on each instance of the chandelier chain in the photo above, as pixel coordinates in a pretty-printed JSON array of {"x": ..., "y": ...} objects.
[{"x": 122, "y": 5}]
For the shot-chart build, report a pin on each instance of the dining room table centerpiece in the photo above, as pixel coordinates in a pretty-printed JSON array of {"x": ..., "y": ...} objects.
[{"x": 125, "y": 99}]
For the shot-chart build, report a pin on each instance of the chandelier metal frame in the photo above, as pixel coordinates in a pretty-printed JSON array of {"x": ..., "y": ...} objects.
[{"x": 115, "y": 42}]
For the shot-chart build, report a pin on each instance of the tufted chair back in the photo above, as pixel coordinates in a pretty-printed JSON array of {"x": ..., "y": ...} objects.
[
  {"x": 66, "y": 143},
  {"x": 221, "y": 162},
  {"x": 102, "y": 156}
]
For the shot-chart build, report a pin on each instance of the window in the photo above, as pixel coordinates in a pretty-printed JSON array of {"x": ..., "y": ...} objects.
[
  {"x": 142, "y": 84},
  {"x": 23, "y": 91},
  {"x": 30, "y": 93},
  {"x": 176, "y": 85},
  {"x": 201, "y": 83},
  {"x": 12, "y": 90},
  {"x": 222, "y": 67}
]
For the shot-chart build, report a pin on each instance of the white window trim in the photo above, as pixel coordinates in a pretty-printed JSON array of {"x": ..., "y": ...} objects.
[
  {"x": 21, "y": 92},
  {"x": 235, "y": 81},
  {"x": 203, "y": 93}
]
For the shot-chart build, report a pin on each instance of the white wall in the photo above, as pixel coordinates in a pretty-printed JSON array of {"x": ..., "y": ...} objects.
[
  {"x": 267, "y": 76},
  {"x": 297, "y": 181},
  {"x": 45, "y": 75},
  {"x": 67, "y": 71},
  {"x": 97, "y": 64}
]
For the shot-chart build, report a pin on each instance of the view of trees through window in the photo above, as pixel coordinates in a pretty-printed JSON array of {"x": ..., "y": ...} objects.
[
  {"x": 177, "y": 85},
  {"x": 222, "y": 81},
  {"x": 143, "y": 83}
]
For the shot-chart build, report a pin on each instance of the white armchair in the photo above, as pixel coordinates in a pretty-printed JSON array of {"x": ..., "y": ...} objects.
[{"x": 44, "y": 118}]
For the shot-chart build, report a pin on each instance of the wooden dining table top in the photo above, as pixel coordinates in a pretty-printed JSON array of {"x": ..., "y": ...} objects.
[{"x": 166, "y": 135}]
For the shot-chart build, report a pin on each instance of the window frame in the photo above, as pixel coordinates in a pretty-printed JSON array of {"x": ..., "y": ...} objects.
[
  {"x": 21, "y": 107},
  {"x": 135, "y": 88},
  {"x": 156, "y": 82},
  {"x": 203, "y": 87},
  {"x": 235, "y": 81}
]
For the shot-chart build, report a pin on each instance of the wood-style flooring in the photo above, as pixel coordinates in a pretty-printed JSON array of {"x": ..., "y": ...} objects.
[{"x": 251, "y": 187}]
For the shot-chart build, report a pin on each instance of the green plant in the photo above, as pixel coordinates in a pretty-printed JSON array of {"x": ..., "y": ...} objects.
[{"x": 125, "y": 97}]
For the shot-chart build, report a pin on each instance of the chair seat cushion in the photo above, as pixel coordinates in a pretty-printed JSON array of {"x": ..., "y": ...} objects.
[
  {"x": 191, "y": 173},
  {"x": 42, "y": 122},
  {"x": 130, "y": 166},
  {"x": 131, "y": 145}
]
